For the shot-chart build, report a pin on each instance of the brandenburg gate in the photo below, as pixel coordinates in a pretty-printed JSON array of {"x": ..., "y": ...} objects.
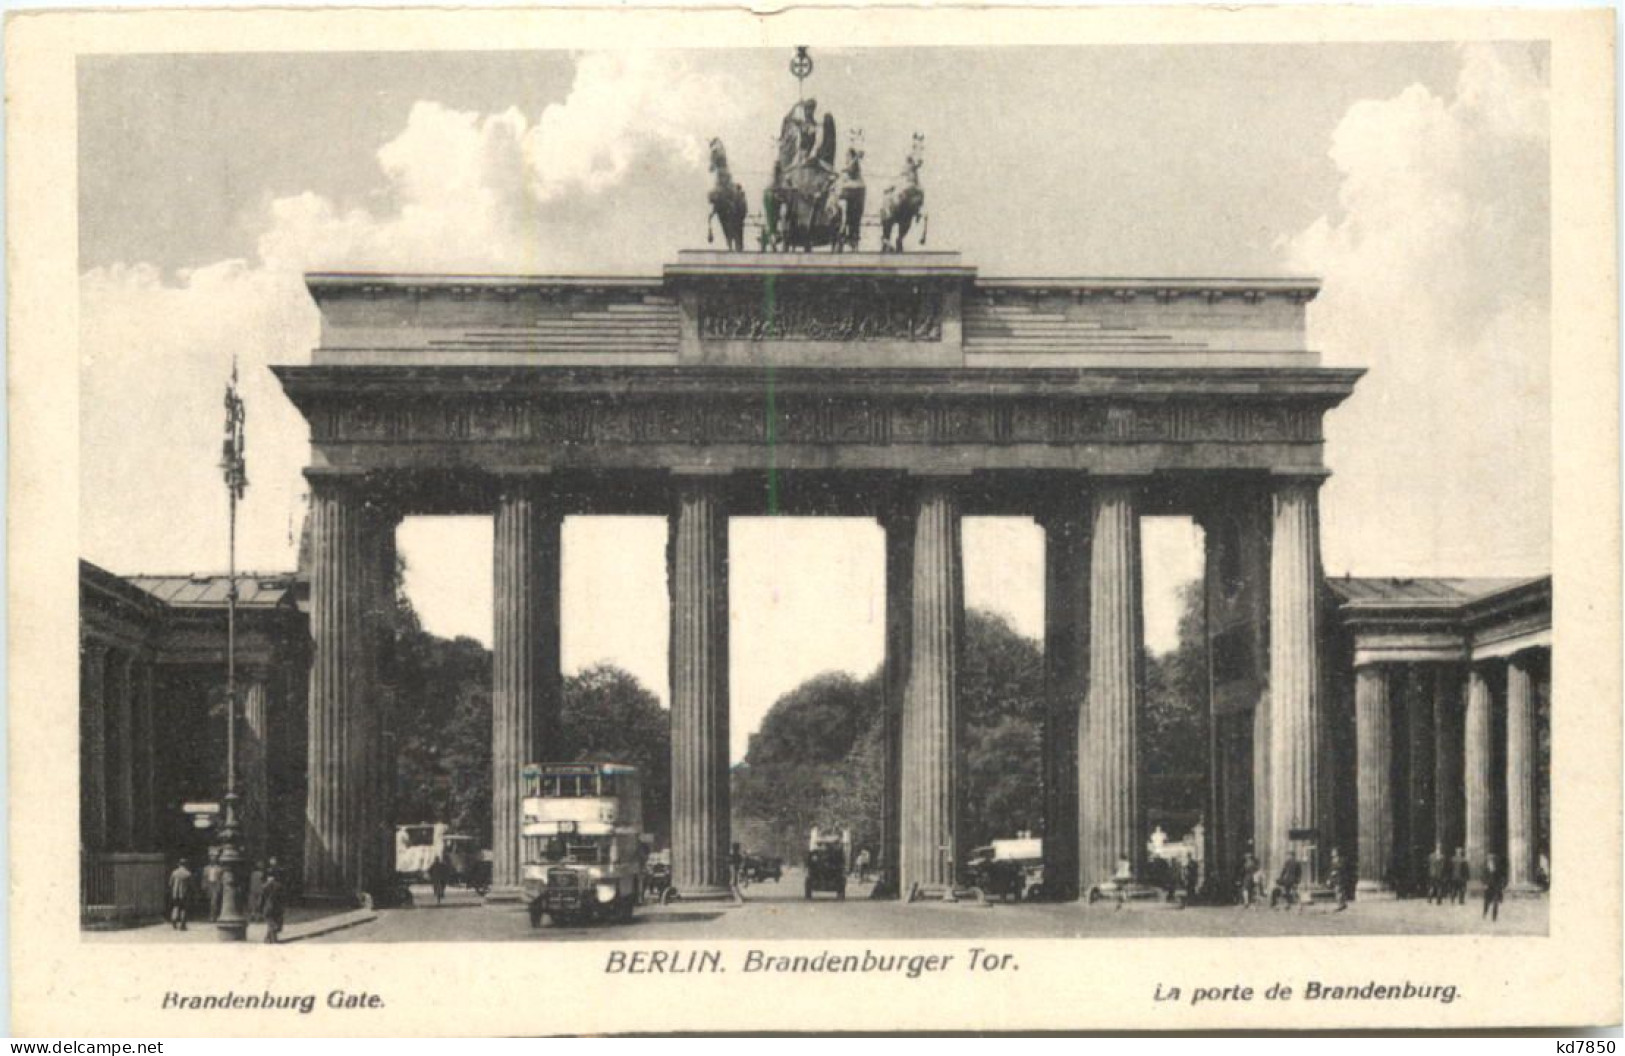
[{"x": 899, "y": 386}]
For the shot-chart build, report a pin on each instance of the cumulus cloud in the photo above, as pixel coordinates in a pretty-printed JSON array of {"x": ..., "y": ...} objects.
[
  {"x": 1437, "y": 278},
  {"x": 622, "y": 107},
  {"x": 457, "y": 192}
]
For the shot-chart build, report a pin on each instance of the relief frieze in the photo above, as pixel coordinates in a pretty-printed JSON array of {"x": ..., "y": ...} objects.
[
  {"x": 826, "y": 310},
  {"x": 857, "y": 421}
]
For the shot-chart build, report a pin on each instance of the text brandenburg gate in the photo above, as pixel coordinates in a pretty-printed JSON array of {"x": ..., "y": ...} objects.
[{"x": 901, "y": 387}]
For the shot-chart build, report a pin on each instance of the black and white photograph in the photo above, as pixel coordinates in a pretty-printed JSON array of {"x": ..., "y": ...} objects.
[{"x": 819, "y": 508}]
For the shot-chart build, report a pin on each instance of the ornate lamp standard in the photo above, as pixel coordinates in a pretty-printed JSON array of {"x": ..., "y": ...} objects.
[{"x": 233, "y": 924}]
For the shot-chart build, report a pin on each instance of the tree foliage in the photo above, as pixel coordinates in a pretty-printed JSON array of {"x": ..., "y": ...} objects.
[
  {"x": 1173, "y": 723},
  {"x": 817, "y": 759},
  {"x": 441, "y": 724}
]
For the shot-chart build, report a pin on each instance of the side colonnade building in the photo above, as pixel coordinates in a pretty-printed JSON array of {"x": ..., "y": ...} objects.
[
  {"x": 152, "y": 688},
  {"x": 1448, "y": 683}
]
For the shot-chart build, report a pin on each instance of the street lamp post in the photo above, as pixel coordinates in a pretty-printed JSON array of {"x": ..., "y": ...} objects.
[{"x": 232, "y": 925}]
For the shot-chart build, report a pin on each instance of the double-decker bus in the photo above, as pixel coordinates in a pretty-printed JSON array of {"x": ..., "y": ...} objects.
[{"x": 581, "y": 824}]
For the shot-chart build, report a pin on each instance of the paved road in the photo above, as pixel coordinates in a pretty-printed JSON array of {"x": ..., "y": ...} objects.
[{"x": 778, "y": 911}]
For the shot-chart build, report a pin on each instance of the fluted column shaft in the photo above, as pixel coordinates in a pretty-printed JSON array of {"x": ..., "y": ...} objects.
[
  {"x": 1522, "y": 867},
  {"x": 1419, "y": 794},
  {"x": 526, "y": 684},
  {"x": 1447, "y": 758},
  {"x": 375, "y": 849},
  {"x": 124, "y": 753},
  {"x": 1478, "y": 754},
  {"x": 93, "y": 747},
  {"x": 1066, "y": 689},
  {"x": 699, "y": 666},
  {"x": 254, "y": 774},
  {"x": 1108, "y": 763},
  {"x": 339, "y": 806},
  {"x": 1374, "y": 747},
  {"x": 899, "y": 530},
  {"x": 931, "y": 701},
  {"x": 1294, "y": 665},
  {"x": 148, "y": 750},
  {"x": 1262, "y": 817}
]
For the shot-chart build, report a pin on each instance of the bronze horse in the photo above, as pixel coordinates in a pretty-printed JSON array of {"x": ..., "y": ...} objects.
[
  {"x": 727, "y": 200},
  {"x": 904, "y": 201}
]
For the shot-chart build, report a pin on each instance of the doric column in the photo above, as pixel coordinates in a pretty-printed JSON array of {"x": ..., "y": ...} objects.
[
  {"x": 1522, "y": 867},
  {"x": 337, "y": 806},
  {"x": 931, "y": 701},
  {"x": 1447, "y": 758},
  {"x": 699, "y": 686},
  {"x": 1294, "y": 719},
  {"x": 124, "y": 752},
  {"x": 1478, "y": 753},
  {"x": 1262, "y": 819},
  {"x": 1108, "y": 762},
  {"x": 374, "y": 847},
  {"x": 1420, "y": 766},
  {"x": 252, "y": 770},
  {"x": 147, "y": 786},
  {"x": 92, "y": 746},
  {"x": 526, "y": 683},
  {"x": 1066, "y": 688},
  {"x": 1374, "y": 746},
  {"x": 899, "y": 529}
]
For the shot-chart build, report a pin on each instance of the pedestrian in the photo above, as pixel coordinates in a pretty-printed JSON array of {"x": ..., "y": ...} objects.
[
  {"x": 1286, "y": 885},
  {"x": 736, "y": 859},
  {"x": 180, "y": 891},
  {"x": 1193, "y": 877},
  {"x": 1460, "y": 872},
  {"x": 863, "y": 865},
  {"x": 213, "y": 883},
  {"x": 271, "y": 907},
  {"x": 1438, "y": 875},
  {"x": 1338, "y": 879},
  {"x": 437, "y": 876},
  {"x": 1169, "y": 873},
  {"x": 256, "y": 883},
  {"x": 1249, "y": 880},
  {"x": 1495, "y": 882}
]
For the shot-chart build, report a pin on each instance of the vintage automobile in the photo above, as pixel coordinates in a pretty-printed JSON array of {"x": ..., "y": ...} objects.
[
  {"x": 756, "y": 869},
  {"x": 1011, "y": 870},
  {"x": 826, "y": 871},
  {"x": 581, "y": 824}
]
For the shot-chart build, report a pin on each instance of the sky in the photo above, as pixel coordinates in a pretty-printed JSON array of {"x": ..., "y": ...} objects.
[{"x": 1413, "y": 179}]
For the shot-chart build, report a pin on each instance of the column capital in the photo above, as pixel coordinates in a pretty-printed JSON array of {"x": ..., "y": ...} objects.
[
  {"x": 1526, "y": 658},
  {"x": 357, "y": 486},
  {"x": 1284, "y": 479},
  {"x": 540, "y": 489},
  {"x": 897, "y": 514},
  {"x": 1073, "y": 520},
  {"x": 1117, "y": 488},
  {"x": 712, "y": 481}
]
